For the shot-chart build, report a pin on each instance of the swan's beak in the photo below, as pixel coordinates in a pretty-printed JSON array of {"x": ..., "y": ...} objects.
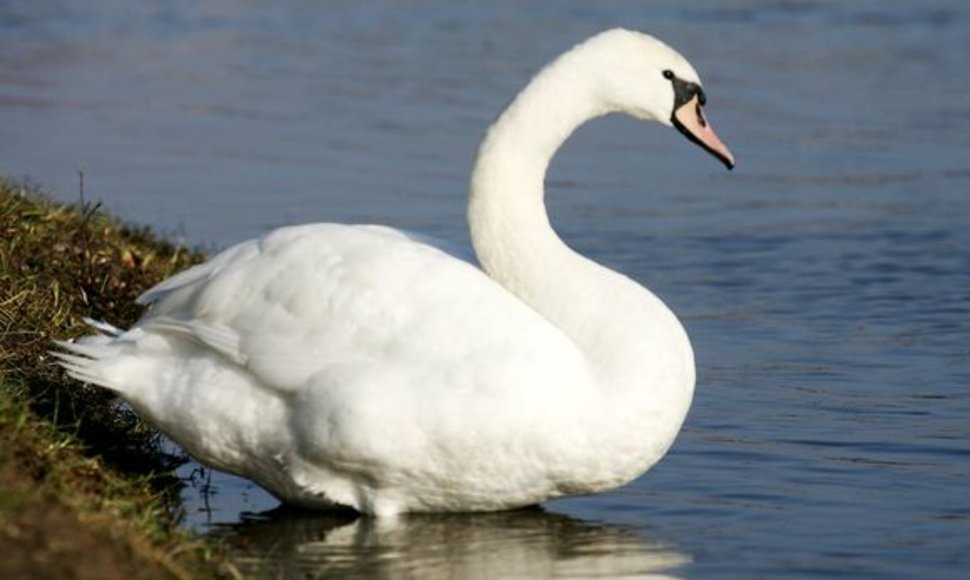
[{"x": 689, "y": 120}]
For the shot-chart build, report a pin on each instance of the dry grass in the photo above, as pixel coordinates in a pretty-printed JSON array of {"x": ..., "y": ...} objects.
[
  {"x": 85, "y": 488},
  {"x": 57, "y": 264},
  {"x": 64, "y": 514}
]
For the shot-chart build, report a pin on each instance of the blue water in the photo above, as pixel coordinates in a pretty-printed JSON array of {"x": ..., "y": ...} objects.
[{"x": 825, "y": 283}]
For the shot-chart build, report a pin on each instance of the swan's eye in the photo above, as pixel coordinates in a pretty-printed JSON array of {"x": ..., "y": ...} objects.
[{"x": 668, "y": 74}]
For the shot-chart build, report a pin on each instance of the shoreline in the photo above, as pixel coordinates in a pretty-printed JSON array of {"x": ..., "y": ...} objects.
[{"x": 86, "y": 490}]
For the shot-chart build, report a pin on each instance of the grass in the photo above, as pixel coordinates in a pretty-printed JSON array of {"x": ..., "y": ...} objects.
[{"x": 86, "y": 489}]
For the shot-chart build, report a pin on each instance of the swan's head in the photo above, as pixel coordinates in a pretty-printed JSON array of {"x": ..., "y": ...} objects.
[{"x": 643, "y": 77}]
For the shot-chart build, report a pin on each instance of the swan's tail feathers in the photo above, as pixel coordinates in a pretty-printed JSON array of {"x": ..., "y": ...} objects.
[
  {"x": 81, "y": 357},
  {"x": 103, "y": 327},
  {"x": 77, "y": 367}
]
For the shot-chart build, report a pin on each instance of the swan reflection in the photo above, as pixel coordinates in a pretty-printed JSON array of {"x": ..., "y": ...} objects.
[{"x": 529, "y": 543}]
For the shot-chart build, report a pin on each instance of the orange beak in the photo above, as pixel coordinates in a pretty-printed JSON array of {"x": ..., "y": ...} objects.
[{"x": 689, "y": 120}]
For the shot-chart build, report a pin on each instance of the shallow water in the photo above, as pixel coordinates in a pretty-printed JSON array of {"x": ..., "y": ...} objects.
[{"x": 825, "y": 283}]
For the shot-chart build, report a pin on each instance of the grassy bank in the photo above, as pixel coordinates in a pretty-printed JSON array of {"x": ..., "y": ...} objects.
[{"x": 85, "y": 489}]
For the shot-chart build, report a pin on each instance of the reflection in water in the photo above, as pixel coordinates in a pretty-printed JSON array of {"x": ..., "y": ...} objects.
[{"x": 529, "y": 543}]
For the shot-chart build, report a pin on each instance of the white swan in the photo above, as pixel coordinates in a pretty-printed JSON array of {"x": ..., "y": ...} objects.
[{"x": 365, "y": 367}]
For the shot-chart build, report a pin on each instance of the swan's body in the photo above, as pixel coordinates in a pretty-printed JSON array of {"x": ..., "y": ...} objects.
[{"x": 361, "y": 366}]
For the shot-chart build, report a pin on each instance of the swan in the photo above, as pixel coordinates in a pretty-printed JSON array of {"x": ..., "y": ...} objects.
[{"x": 367, "y": 367}]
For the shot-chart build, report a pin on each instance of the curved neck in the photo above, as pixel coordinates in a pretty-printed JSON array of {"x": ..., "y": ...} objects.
[
  {"x": 506, "y": 206},
  {"x": 635, "y": 347}
]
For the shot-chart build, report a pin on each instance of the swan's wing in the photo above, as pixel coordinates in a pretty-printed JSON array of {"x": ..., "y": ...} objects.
[
  {"x": 323, "y": 356},
  {"x": 195, "y": 277},
  {"x": 325, "y": 298}
]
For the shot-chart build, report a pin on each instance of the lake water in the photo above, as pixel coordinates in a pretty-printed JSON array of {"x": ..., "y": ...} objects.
[{"x": 825, "y": 283}]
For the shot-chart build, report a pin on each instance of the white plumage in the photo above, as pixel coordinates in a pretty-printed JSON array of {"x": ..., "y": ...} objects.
[{"x": 366, "y": 367}]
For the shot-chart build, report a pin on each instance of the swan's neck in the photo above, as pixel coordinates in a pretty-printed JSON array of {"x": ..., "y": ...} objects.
[{"x": 634, "y": 346}]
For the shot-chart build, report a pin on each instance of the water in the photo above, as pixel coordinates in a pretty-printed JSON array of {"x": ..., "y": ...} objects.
[{"x": 825, "y": 283}]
